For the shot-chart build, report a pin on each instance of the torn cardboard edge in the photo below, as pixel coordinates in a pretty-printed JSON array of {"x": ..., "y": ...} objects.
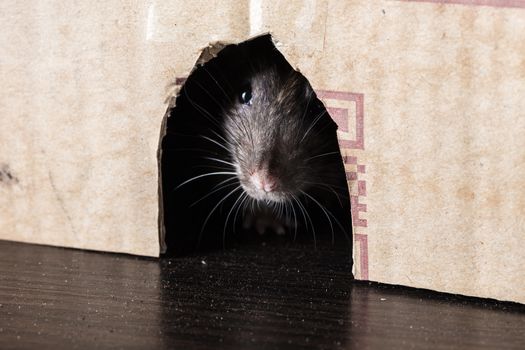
[
  {"x": 173, "y": 89},
  {"x": 206, "y": 54}
]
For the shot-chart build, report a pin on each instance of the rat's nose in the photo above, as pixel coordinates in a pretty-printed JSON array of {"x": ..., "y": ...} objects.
[{"x": 263, "y": 181}]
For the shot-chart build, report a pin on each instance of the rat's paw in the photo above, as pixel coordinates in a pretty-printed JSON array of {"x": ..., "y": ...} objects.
[{"x": 263, "y": 223}]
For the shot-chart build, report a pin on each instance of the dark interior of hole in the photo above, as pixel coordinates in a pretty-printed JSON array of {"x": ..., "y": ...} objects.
[{"x": 196, "y": 132}]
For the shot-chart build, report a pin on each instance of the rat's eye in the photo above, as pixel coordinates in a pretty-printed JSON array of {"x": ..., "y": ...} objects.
[{"x": 246, "y": 96}]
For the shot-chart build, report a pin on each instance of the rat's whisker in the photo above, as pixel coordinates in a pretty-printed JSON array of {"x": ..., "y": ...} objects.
[
  {"x": 208, "y": 166},
  {"x": 219, "y": 160},
  {"x": 204, "y": 175},
  {"x": 335, "y": 219},
  {"x": 217, "y": 83},
  {"x": 330, "y": 189},
  {"x": 215, "y": 208},
  {"x": 294, "y": 219},
  {"x": 323, "y": 155},
  {"x": 221, "y": 137},
  {"x": 212, "y": 192},
  {"x": 228, "y": 218},
  {"x": 324, "y": 184},
  {"x": 201, "y": 109},
  {"x": 306, "y": 216},
  {"x": 209, "y": 94},
  {"x": 233, "y": 178},
  {"x": 241, "y": 204},
  {"x": 325, "y": 213},
  {"x": 215, "y": 142},
  {"x": 313, "y": 124}
]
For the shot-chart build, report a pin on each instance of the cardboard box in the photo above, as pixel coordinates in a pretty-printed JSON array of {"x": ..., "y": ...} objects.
[{"x": 428, "y": 96}]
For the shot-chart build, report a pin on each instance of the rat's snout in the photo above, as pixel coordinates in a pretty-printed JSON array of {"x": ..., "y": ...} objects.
[{"x": 262, "y": 180}]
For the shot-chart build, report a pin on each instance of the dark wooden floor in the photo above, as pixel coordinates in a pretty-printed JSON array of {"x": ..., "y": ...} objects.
[{"x": 258, "y": 297}]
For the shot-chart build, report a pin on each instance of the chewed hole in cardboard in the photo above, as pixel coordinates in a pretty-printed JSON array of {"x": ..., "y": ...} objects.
[{"x": 250, "y": 154}]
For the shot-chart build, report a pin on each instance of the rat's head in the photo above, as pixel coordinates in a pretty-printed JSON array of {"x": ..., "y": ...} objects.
[{"x": 272, "y": 135}]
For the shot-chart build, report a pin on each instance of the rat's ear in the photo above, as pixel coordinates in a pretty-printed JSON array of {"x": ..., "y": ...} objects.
[
  {"x": 308, "y": 90},
  {"x": 304, "y": 84}
]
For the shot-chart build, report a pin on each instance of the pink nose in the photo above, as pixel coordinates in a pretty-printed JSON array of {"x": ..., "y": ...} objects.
[{"x": 263, "y": 181}]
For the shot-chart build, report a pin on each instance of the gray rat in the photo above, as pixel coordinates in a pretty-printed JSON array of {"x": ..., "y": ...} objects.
[{"x": 254, "y": 143}]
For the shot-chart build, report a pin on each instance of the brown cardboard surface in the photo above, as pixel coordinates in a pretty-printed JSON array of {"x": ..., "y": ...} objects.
[
  {"x": 79, "y": 126},
  {"x": 428, "y": 96}
]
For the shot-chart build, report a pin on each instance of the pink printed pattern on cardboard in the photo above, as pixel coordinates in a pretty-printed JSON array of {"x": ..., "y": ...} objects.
[
  {"x": 347, "y": 110},
  {"x": 491, "y": 3}
]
